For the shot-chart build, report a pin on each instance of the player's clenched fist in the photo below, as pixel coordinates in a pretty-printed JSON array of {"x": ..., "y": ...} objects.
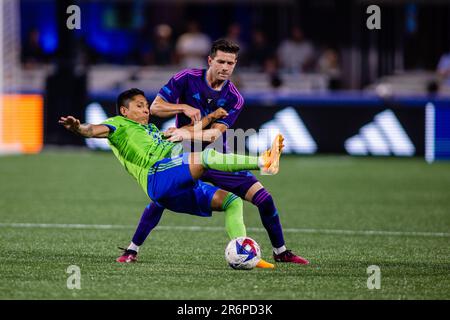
[{"x": 219, "y": 113}]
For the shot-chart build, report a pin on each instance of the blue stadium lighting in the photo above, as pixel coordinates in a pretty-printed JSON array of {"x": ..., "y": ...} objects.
[
  {"x": 49, "y": 40},
  {"x": 40, "y": 15}
]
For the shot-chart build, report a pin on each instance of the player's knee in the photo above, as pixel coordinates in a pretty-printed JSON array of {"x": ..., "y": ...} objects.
[
  {"x": 155, "y": 206},
  {"x": 218, "y": 200},
  {"x": 264, "y": 201}
]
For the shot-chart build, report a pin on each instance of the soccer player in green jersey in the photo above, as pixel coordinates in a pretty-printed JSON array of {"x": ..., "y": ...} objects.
[{"x": 169, "y": 177}]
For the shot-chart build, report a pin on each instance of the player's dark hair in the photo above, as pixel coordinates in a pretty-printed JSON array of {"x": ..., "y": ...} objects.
[
  {"x": 223, "y": 45},
  {"x": 125, "y": 97}
]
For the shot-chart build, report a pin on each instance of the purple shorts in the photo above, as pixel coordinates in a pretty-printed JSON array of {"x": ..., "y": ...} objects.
[{"x": 235, "y": 182}]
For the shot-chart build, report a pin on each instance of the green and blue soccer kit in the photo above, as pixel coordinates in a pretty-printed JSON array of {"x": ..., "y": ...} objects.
[{"x": 159, "y": 166}]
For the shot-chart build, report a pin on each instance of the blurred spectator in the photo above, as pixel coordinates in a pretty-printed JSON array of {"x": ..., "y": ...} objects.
[
  {"x": 259, "y": 51},
  {"x": 142, "y": 53},
  {"x": 443, "y": 69},
  {"x": 85, "y": 54},
  {"x": 32, "y": 52},
  {"x": 163, "y": 53},
  {"x": 329, "y": 65},
  {"x": 193, "y": 47},
  {"x": 271, "y": 68},
  {"x": 234, "y": 35},
  {"x": 296, "y": 53}
]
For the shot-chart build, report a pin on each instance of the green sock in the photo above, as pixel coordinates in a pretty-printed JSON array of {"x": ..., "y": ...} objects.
[
  {"x": 229, "y": 162},
  {"x": 234, "y": 217}
]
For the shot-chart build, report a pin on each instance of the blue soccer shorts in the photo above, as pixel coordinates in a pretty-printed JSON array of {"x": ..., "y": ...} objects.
[{"x": 170, "y": 184}]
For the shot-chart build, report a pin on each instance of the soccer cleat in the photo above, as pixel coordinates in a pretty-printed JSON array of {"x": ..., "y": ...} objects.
[
  {"x": 265, "y": 265},
  {"x": 127, "y": 256},
  {"x": 289, "y": 256},
  {"x": 271, "y": 158}
]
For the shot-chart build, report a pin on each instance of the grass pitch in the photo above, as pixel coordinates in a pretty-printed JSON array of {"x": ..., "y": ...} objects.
[{"x": 62, "y": 208}]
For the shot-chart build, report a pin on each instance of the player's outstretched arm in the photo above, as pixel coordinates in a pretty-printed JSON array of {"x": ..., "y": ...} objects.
[{"x": 86, "y": 130}]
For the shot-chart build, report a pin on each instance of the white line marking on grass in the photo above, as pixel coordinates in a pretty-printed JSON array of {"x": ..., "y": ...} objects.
[{"x": 203, "y": 228}]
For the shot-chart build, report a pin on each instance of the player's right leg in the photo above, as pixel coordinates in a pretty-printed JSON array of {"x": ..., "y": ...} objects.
[{"x": 268, "y": 162}]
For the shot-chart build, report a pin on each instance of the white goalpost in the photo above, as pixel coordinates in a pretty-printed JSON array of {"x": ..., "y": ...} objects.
[{"x": 20, "y": 115}]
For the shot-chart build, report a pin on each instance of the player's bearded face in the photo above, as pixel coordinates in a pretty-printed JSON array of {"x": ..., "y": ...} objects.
[
  {"x": 222, "y": 65},
  {"x": 138, "y": 110}
]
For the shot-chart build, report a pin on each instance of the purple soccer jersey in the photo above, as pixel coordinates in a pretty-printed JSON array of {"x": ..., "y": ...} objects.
[{"x": 190, "y": 87}]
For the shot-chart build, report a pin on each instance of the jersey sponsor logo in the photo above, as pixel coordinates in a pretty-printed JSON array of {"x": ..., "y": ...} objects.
[
  {"x": 290, "y": 125},
  {"x": 383, "y": 136},
  {"x": 209, "y": 100}
]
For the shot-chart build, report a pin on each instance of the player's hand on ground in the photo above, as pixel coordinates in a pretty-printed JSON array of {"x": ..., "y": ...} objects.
[
  {"x": 219, "y": 113},
  {"x": 192, "y": 113},
  {"x": 70, "y": 123}
]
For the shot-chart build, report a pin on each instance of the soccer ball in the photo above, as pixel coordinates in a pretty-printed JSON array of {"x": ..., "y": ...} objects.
[{"x": 243, "y": 253}]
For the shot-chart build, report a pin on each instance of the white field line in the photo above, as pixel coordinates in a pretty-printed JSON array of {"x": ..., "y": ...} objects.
[{"x": 202, "y": 228}]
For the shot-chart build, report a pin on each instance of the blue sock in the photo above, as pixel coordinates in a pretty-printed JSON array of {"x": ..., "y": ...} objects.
[
  {"x": 269, "y": 217},
  {"x": 149, "y": 219}
]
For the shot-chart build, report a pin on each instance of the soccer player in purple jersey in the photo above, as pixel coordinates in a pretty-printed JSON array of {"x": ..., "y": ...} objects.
[{"x": 190, "y": 95}]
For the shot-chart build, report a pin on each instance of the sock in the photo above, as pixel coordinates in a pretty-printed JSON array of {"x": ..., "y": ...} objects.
[
  {"x": 234, "y": 216},
  {"x": 269, "y": 217},
  {"x": 149, "y": 219},
  {"x": 279, "y": 250},
  {"x": 229, "y": 162},
  {"x": 133, "y": 247}
]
